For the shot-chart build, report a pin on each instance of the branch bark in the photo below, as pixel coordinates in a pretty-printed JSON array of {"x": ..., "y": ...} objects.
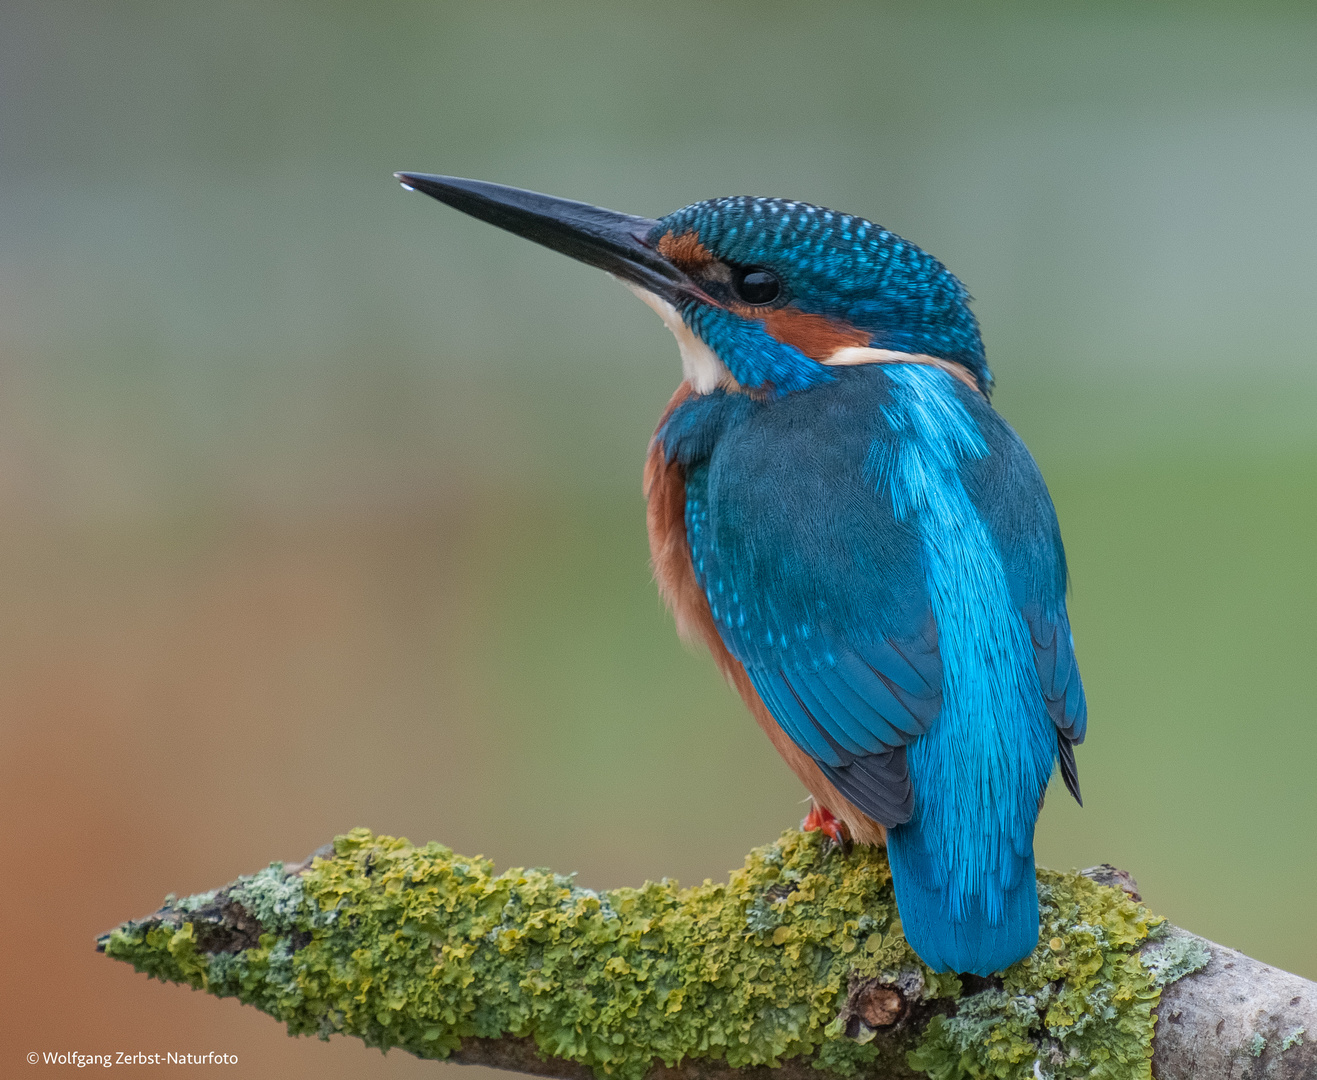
[
  {"x": 1238, "y": 1018},
  {"x": 795, "y": 969}
]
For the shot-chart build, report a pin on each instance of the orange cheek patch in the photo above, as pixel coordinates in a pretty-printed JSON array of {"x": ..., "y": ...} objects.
[
  {"x": 685, "y": 250},
  {"x": 817, "y": 336}
]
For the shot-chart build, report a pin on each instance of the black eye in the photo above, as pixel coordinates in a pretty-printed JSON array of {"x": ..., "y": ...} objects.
[{"x": 756, "y": 286}]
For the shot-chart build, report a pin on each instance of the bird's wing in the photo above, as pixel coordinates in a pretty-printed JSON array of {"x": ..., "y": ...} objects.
[
  {"x": 856, "y": 714},
  {"x": 826, "y": 608},
  {"x": 854, "y": 707},
  {"x": 1008, "y": 491},
  {"x": 1063, "y": 691}
]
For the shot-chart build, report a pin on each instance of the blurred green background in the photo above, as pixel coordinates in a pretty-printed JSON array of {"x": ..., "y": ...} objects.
[{"x": 319, "y": 503}]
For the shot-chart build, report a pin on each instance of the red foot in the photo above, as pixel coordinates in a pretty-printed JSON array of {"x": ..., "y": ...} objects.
[{"x": 820, "y": 819}]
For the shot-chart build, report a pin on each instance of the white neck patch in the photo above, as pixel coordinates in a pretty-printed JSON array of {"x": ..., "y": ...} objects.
[
  {"x": 700, "y": 366},
  {"x": 852, "y": 356}
]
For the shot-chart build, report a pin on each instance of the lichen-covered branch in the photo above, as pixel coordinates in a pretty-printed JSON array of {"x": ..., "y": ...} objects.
[{"x": 796, "y": 965}]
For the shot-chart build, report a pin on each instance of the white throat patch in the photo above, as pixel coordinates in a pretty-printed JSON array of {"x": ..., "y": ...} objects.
[{"x": 700, "y": 366}]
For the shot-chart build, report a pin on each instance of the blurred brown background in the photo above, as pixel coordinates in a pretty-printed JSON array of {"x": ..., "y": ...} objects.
[{"x": 319, "y": 503}]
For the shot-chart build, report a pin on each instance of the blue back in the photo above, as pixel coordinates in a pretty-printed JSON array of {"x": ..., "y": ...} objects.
[{"x": 881, "y": 554}]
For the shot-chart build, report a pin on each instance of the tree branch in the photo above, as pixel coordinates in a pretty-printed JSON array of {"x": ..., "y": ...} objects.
[{"x": 794, "y": 969}]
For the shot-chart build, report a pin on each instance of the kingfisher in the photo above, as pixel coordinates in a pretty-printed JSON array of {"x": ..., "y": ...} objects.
[{"x": 864, "y": 545}]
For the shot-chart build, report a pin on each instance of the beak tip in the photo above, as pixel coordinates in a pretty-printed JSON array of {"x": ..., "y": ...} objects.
[{"x": 406, "y": 180}]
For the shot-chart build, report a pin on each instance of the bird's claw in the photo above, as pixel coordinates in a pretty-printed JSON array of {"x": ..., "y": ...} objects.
[{"x": 835, "y": 836}]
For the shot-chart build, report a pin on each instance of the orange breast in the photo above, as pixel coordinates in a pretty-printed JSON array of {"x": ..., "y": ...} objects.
[{"x": 665, "y": 492}]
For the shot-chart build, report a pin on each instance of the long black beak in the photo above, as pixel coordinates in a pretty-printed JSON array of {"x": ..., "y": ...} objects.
[{"x": 611, "y": 241}]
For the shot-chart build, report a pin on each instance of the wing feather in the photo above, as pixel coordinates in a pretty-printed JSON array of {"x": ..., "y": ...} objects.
[
  {"x": 1063, "y": 690},
  {"x": 855, "y": 719}
]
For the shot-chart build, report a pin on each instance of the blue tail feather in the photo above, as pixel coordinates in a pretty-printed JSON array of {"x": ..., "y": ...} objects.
[{"x": 987, "y": 933}]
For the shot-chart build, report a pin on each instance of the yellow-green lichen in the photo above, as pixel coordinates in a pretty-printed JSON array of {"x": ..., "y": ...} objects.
[
  {"x": 417, "y": 947},
  {"x": 1084, "y": 1009}
]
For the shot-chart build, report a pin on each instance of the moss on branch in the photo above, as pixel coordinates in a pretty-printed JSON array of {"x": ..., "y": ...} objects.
[{"x": 797, "y": 961}]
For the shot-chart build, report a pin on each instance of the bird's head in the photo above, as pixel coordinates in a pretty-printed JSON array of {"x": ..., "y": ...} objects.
[{"x": 764, "y": 295}]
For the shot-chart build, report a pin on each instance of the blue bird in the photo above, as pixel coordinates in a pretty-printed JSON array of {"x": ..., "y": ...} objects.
[{"x": 865, "y": 546}]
